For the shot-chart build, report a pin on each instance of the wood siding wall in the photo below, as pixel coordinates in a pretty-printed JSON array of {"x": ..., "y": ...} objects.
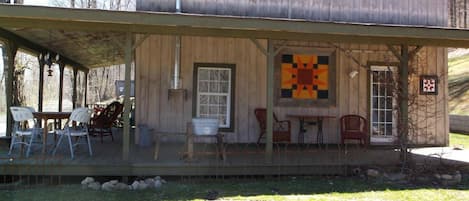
[
  {"x": 154, "y": 61},
  {"x": 409, "y": 12}
]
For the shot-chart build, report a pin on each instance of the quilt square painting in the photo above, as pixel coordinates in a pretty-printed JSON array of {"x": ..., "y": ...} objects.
[{"x": 304, "y": 76}]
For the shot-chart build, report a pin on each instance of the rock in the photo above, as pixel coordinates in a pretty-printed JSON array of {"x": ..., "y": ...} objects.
[
  {"x": 113, "y": 182},
  {"x": 94, "y": 185},
  {"x": 446, "y": 177},
  {"x": 158, "y": 184},
  {"x": 437, "y": 176},
  {"x": 372, "y": 173},
  {"x": 396, "y": 176},
  {"x": 135, "y": 185},
  {"x": 142, "y": 185},
  {"x": 157, "y": 178},
  {"x": 121, "y": 186},
  {"x": 150, "y": 181},
  {"x": 87, "y": 180},
  {"x": 107, "y": 186}
]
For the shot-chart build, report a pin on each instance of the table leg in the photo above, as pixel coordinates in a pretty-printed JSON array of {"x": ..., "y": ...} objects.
[
  {"x": 320, "y": 137},
  {"x": 44, "y": 133},
  {"x": 190, "y": 144},
  {"x": 221, "y": 149},
  {"x": 301, "y": 133},
  {"x": 157, "y": 147}
]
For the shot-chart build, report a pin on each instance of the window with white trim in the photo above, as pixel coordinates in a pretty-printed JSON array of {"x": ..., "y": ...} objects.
[{"x": 214, "y": 92}]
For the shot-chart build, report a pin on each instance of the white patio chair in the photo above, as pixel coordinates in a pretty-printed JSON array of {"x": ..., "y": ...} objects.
[
  {"x": 81, "y": 116},
  {"x": 23, "y": 114}
]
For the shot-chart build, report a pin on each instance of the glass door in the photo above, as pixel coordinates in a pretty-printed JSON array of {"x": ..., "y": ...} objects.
[{"x": 383, "y": 124}]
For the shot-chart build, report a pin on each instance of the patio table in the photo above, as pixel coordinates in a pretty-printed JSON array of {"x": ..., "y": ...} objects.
[
  {"x": 44, "y": 116},
  {"x": 310, "y": 120}
]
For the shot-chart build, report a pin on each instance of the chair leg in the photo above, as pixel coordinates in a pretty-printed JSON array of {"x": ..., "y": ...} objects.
[
  {"x": 70, "y": 145},
  {"x": 33, "y": 135},
  {"x": 12, "y": 144},
  {"x": 57, "y": 145},
  {"x": 89, "y": 145}
]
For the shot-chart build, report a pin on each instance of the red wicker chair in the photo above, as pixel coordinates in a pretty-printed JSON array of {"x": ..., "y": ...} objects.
[
  {"x": 281, "y": 130},
  {"x": 102, "y": 123},
  {"x": 354, "y": 127}
]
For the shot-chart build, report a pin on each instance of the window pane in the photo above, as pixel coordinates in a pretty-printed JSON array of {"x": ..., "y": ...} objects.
[
  {"x": 224, "y": 87},
  {"x": 213, "y": 100},
  {"x": 203, "y": 99},
  {"x": 388, "y": 130},
  {"x": 203, "y": 74},
  {"x": 213, "y": 87},
  {"x": 203, "y": 86},
  {"x": 213, "y": 75},
  {"x": 224, "y": 75},
  {"x": 203, "y": 110},
  {"x": 389, "y": 116}
]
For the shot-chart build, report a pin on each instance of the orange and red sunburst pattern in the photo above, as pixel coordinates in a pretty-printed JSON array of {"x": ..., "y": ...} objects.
[{"x": 305, "y": 76}]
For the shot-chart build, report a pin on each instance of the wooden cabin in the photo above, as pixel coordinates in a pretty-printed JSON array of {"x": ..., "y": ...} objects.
[
  {"x": 385, "y": 60},
  {"x": 350, "y": 83}
]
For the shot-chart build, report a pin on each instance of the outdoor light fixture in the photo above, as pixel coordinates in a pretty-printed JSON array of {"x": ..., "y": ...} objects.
[
  {"x": 47, "y": 59},
  {"x": 353, "y": 74}
]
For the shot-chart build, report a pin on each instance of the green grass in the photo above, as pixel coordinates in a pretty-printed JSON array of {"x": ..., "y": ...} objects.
[
  {"x": 456, "y": 139},
  {"x": 308, "y": 188}
]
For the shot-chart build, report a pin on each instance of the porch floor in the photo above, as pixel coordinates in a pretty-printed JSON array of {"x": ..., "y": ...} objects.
[{"x": 242, "y": 159}]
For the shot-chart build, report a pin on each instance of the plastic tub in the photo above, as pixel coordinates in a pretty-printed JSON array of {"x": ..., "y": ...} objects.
[{"x": 205, "y": 126}]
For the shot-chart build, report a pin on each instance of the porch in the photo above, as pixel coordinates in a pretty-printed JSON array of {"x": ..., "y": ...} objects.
[
  {"x": 242, "y": 159},
  {"x": 252, "y": 44}
]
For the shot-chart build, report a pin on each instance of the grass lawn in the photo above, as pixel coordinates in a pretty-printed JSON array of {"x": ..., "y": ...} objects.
[
  {"x": 307, "y": 188},
  {"x": 459, "y": 139}
]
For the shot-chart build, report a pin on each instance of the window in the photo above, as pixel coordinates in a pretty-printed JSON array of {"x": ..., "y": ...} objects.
[
  {"x": 214, "y": 93},
  {"x": 383, "y": 102}
]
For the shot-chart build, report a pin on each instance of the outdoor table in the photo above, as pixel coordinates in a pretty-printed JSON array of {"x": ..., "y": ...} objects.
[
  {"x": 44, "y": 116},
  {"x": 310, "y": 120}
]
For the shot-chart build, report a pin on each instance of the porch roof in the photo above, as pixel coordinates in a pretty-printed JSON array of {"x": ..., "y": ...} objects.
[{"x": 95, "y": 37}]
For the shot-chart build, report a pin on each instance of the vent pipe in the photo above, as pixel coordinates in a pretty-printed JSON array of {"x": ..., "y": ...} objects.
[{"x": 176, "y": 82}]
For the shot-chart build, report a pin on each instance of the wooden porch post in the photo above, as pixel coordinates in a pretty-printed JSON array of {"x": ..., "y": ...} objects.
[
  {"x": 128, "y": 63},
  {"x": 11, "y": 49},
  {"x": 74, "y": 95},
  {"x": 270, "y": 101},
  {"x": 41, "y": 84},
  {"x": 404, "y": 100},
  {"x": 86, "y": 88},
  {"x": 61, "y": 85}
]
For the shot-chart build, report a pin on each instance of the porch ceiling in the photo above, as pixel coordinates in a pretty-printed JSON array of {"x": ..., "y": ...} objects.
[
  {"x": 89, "y": 49},
  {"x": 94, "y": 37}
]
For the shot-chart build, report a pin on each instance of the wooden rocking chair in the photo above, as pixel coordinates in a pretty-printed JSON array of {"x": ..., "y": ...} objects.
[{"x": 103, "y": 122}]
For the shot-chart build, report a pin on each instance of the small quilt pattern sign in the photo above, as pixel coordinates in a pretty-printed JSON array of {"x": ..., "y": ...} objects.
[
  {"x": 429, "y": 85},
  {"x": 304, "y": 76}
]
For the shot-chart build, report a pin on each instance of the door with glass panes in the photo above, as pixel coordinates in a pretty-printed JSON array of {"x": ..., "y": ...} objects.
[{"x": 383, "y": 115}]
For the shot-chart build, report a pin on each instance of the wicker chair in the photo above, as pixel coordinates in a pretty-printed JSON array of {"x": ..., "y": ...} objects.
[
  {"x": 281, "y": 130},
  {"x": 102, "y": 123},
  {"x": 354, "y": 127}
]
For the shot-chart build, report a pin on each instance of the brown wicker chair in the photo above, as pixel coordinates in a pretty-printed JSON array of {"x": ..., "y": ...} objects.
[
  {"x": 354, "y": 127},
  {"x": 281, "y": 130},
  {"x": 103, "y": 122}
]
